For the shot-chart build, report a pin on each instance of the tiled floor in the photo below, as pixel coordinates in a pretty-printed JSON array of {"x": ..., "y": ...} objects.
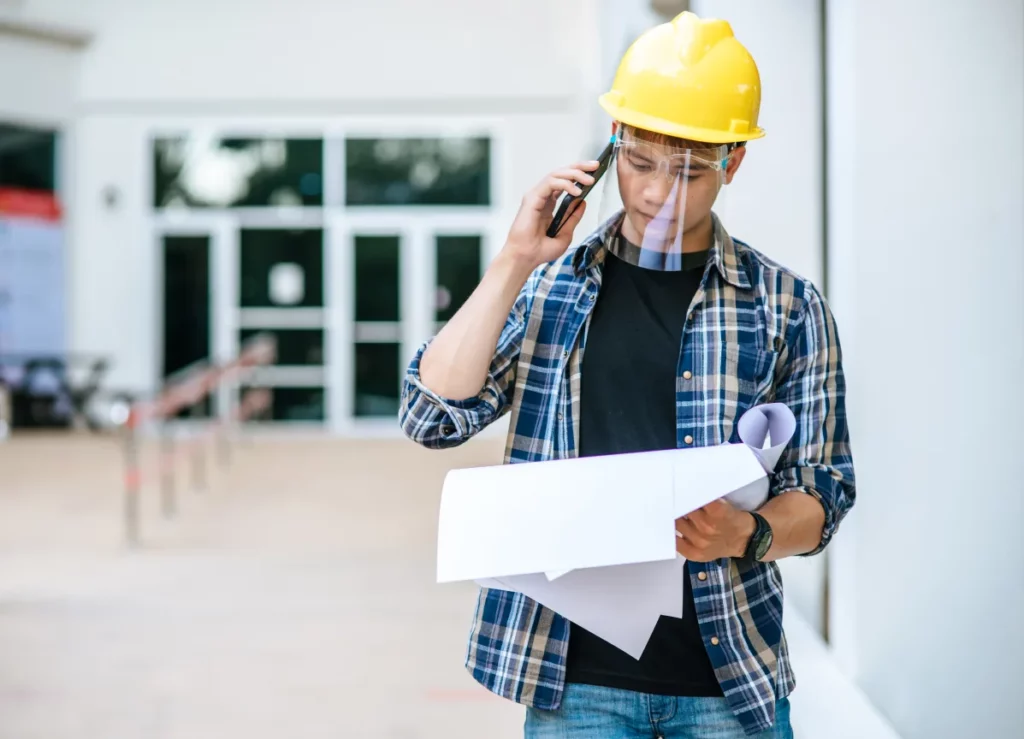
[{"x": 293, "y": 599}]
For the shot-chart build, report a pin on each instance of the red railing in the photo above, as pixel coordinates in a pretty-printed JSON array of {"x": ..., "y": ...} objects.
[{"x": 187, "y": 390}]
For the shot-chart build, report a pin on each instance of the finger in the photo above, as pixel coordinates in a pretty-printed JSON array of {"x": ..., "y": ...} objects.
[
  {"x": 717, "y": 508},
  {"x": 690, "y": 532},
  {"x": 693, "y": 553},
  {"x": 574, "y": 174},
  {"x": 702, "y": 520},
  {"x": 686, "y": 549},
  {"x": 703, "y": 523},
  {"x": 560, "y": 183},
  {"x": 574, "y": 219}
]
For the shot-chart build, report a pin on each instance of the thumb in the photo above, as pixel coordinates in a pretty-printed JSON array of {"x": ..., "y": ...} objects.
[{"x": 574, "y": 220}]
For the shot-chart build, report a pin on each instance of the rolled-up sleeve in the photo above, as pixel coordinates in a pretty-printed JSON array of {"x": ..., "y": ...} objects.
[
  {"x": 818, "y": 460},
  {"x": 437, "y": 422}
]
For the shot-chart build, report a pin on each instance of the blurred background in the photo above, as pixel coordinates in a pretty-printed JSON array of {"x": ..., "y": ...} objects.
[{"x": 182, "y": 180}]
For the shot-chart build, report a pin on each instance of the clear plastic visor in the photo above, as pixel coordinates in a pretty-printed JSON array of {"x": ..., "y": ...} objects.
[{"x": 660, "y": 190}]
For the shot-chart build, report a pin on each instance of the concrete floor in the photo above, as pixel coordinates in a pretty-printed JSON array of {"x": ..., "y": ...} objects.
[{"x": 294, "y": 598}]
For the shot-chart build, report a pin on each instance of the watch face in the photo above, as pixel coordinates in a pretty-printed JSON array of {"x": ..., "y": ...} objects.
[{"x": 764, "y": 543}]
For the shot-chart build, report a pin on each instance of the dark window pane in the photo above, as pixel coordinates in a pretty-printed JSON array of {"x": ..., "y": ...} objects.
[
  {"x": 394, "y": 171},
  {"x": 458, "y": 272},
  {"x": 281, "y": 268},
  {"x": 186, "y": 304},
  {"x": 295, "y": 404},
  {"x": 298, "y": 346},
  {"x": 377, "y": 380},
  {"x": 199, "y": 172},
  {"x": 28, "y": 158},
  {"x": 377, "y": 281}
]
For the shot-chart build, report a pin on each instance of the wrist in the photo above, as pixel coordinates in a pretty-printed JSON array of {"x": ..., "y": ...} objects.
[
  {"x": 511, "y": 263},
  {"x": 748, "y": 525}
]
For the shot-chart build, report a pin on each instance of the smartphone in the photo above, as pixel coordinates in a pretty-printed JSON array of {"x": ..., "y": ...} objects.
[{"x": 568, "y": 203}]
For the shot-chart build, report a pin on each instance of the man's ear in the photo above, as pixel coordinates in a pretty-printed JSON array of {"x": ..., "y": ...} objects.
[{"x": 735, "y": 160}]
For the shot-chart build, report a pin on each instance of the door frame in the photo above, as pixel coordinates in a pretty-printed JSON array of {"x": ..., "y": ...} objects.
[{"x": 223, "y": 255}]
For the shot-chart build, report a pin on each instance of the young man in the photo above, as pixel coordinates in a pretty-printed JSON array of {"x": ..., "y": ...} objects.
[{"x": 657, "y": 331}]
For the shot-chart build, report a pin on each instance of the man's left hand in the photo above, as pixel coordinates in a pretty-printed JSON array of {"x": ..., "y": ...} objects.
[{"x": 717, "y": 530}]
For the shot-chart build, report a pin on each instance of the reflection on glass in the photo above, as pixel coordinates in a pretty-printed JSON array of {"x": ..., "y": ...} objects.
[
  {"x": 264, "y": 249},
  {"x": 295, "y": 346},
  {"x": 458, "y": 272},
  {"x": 377, "y": 380},
  {"x": 377, "y": 281},
  {"x": 397, "y": 171},
  {"x": 296, "y": 404},
  {"x": 202, "y": 171},
  {"x": 27, "y": 158}
]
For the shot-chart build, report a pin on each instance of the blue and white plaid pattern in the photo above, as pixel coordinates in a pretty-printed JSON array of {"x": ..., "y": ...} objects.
[{"x": 755, "y": 333}]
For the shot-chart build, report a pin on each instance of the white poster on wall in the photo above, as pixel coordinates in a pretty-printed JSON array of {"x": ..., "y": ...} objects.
[{"x": 32, "y": 275}]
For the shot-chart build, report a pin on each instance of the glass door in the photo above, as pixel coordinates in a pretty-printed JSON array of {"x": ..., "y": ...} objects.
[
  {"x": 193, "y": 259},
  {"x": 282, "y": 291}
]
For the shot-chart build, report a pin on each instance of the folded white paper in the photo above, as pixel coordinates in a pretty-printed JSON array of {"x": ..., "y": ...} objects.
[
  {"x": 644, "y": 592},
  {"x": 519, "y": 519},
  {"x": 593, "y": 538}
]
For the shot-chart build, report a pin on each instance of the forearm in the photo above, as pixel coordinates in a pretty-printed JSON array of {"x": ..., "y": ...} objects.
[
  {"x": 797, "y": 520},
  {"x": 456, "y": 363}
]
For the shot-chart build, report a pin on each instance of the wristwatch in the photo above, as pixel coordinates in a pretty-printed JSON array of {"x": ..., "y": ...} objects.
[{"x": 760, "y": 541}]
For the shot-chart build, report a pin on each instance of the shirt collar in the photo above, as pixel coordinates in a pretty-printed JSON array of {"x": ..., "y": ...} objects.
[{"x": 724, "y": 254}]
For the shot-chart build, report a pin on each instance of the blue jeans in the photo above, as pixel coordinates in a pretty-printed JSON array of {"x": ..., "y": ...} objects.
[{"x": 591, "y": 712}]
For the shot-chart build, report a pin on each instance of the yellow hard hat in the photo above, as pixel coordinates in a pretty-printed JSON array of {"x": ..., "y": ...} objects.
[{"x": 688, "y": 78}]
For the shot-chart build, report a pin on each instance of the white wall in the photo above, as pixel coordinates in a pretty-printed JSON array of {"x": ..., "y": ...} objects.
[
  {"x": 37, "y": 82},
  {"x": 307, "y": 64},
  {"x": 346, "y": 52},
  {"x": 928, "y": 278}
]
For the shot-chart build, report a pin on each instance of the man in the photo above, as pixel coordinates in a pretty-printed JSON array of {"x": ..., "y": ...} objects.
[{"x": 657, "y": 331}]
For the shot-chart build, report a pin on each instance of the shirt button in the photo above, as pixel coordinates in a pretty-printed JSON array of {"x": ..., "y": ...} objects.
[
  {"x": 565, "y": 354},
  {"x": 702, "y": 576},
  {"x": 687, "y": 375},
  {"x": 593, "y": 297},
  {"x": 714, "y": 641},
  {"x": 688, "y": 439},
  {"x": 559, "y": 416}
]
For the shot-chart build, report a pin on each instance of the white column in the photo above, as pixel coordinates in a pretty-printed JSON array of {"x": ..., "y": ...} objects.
[{"x": 928, "y": 275}]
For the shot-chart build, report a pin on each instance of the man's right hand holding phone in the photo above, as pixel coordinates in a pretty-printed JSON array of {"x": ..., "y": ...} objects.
[
  {"x": 456, "y": 363},
  {"x": 527, "y": 241}
]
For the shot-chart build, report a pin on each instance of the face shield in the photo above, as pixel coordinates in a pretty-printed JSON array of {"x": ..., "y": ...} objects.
[{"x": 662, "y": 191}]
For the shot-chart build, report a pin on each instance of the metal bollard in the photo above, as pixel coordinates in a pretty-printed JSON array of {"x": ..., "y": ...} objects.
[
  {"x": 198, "y": 451},
  {"x": 168, "y": 503},
  {"x": 132, "y": 479}
]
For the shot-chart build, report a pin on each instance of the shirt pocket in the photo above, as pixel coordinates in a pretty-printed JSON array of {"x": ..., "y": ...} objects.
[{"x": 749, "y": 376}]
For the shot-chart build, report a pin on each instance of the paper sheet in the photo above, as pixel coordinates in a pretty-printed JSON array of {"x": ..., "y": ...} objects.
[
  {"x": 601, "y": 529},
  {"x": 643, "y": 592},
  {"x": 524, "y": 518},
  {"x": 702, "y": 475}
]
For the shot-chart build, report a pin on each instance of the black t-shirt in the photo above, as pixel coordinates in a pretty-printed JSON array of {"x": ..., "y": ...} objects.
[{"x": 627, "y": 404}]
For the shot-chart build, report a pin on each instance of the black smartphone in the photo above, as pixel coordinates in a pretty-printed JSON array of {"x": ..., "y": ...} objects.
[{"x": 568, "y": 203}]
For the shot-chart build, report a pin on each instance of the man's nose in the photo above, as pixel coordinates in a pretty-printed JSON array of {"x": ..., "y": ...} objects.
[{"x": 658, "y": 189}]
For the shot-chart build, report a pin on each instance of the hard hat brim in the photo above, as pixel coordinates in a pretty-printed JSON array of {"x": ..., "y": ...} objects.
[{"x": 660, "y": 125}]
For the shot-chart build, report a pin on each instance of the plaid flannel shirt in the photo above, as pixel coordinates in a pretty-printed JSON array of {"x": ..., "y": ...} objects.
[{"x": 755, "y": 333}]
